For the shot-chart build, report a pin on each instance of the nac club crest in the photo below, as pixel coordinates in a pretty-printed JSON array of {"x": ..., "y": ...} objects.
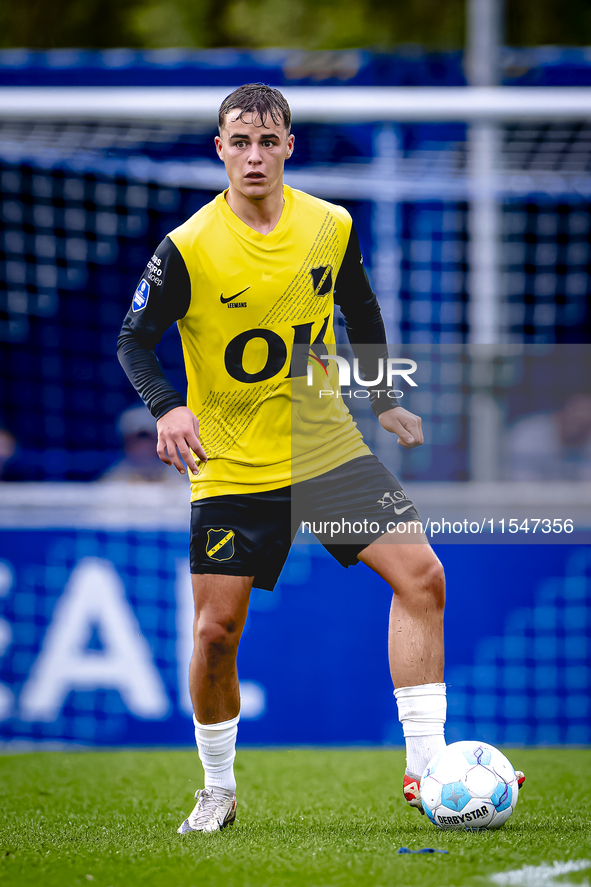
[
  {"x": 220, "y": 544},
  {"x": 322, "y": 280}
]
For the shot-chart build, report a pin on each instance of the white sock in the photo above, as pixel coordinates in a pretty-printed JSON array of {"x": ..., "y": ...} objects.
[
  {"x": 421, "y": 711},
  {"x": 216, "y": 744}
]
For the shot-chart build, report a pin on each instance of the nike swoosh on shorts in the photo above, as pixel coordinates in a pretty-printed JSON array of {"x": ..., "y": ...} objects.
[
  {"x": 402, "y": 510},
  {"x": 231, "y": 298}
]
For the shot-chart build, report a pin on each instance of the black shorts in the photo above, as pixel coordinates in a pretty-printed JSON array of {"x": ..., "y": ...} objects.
[{"x": 250, "y": 534}]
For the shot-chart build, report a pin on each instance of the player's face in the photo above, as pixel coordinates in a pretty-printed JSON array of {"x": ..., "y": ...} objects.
[{"x": 254, "y": 155}]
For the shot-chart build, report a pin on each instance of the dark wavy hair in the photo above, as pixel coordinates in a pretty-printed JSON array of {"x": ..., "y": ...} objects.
[{"x": 259, "y": 100}]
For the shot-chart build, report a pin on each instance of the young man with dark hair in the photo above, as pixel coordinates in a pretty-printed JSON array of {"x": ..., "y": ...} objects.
[{"x": 248, "y": 278}]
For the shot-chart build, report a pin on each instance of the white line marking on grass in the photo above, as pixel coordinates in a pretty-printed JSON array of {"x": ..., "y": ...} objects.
[{"x": 542, "y": 875}]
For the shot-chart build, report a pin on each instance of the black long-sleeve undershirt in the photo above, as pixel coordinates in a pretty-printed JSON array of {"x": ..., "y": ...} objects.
[
  {"x": 363, "y": 320},
  {"x": 168, "y": 301}
]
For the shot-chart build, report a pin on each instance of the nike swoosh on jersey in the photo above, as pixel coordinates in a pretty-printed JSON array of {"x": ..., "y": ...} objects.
[
  {"x": 231, "y": 298},
  {"x": 402, "y": 510}
]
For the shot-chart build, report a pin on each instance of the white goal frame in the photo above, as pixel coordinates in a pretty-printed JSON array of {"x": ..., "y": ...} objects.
[{"x": 345, "y": 104}]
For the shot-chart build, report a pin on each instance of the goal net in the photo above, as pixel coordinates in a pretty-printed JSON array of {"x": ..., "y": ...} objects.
[{"x": 85, "y": 201}]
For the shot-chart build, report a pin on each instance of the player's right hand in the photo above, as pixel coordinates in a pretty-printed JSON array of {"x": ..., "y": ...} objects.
[
  {"x": 178, "y": 435},
  {"x": 405, "y": 424}
]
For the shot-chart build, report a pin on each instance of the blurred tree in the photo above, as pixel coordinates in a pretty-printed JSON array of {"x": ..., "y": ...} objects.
[
  {"x": 548, "y": 22},
  {"x": 183, "y": 23},
  {"x": 38, "y": 24},
  {"x": 301, "y": 24},
  {"x": 307, "y": 24}
]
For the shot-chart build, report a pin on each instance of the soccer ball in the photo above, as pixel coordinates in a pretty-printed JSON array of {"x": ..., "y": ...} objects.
[{"x": 471, "y": 786}]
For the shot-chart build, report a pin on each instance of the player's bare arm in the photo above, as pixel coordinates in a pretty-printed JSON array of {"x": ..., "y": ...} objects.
[
  {"x": 405, "y": 424},
  {"x": 178, "y": 435}
]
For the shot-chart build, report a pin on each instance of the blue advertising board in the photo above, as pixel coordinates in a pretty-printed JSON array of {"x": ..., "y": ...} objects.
[{"x": 95, "y": 639}]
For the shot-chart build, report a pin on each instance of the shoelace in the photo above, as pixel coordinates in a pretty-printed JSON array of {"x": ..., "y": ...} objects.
[{"x": 206, "y": 808}]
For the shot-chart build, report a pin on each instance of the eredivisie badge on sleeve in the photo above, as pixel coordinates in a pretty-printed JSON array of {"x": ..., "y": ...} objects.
[{"x": 141, "y": 296}]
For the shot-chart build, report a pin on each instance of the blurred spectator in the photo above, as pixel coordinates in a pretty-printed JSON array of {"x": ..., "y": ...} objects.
[
  {"x": 552, "y": 446},
  {"x": 140, "y": 463},
  {"x": 7, "y": 452}
]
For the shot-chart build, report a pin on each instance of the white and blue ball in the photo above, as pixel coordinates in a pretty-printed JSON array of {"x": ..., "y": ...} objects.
[{"x": 471, "y": 786}]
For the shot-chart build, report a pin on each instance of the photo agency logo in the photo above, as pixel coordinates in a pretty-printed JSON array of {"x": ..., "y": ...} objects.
[{"x": 387, "y": 370}]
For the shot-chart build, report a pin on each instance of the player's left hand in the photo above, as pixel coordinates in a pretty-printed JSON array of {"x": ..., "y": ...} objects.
[{"x": 406, "y": 425}]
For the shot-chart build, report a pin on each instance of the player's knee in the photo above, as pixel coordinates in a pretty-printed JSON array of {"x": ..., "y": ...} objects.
[
  {"x": 424, "y": 588},
  {"x": 217, "y": 641},
  {"x": 433, "y": 583}
]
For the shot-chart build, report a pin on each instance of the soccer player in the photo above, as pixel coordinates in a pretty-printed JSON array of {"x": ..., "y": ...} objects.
[{"x": 251, "y": 279}]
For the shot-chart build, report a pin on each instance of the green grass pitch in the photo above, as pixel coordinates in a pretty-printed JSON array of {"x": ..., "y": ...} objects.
[{"x": 306, "y": 818}]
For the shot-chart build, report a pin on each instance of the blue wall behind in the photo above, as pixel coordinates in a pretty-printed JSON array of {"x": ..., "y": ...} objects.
[{"x": 95, "y": 638}]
